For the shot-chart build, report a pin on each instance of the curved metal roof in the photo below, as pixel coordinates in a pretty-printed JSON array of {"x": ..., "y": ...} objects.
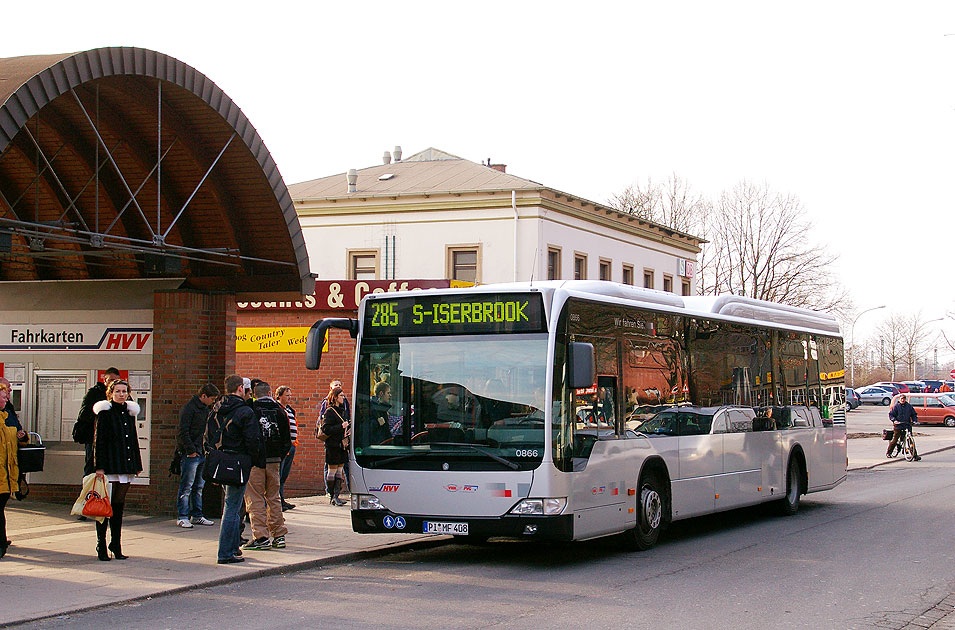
[{"x": 128, "y": 163}]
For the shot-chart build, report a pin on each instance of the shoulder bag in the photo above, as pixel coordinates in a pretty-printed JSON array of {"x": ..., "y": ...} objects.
[{"x": 226, "y": 468}]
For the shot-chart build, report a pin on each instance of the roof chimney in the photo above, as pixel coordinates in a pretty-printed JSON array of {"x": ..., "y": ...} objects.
[
  {"x": 352, "y": 179},
  {"x": 386, "y": 158},
  {"x": 498, "y": 167},
  {"x": 397, "y": 153}
]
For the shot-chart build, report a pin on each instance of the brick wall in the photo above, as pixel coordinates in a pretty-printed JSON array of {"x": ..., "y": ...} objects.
[
  {"x": 308, "y": 387},
  {"x": 193, "y": 344}
]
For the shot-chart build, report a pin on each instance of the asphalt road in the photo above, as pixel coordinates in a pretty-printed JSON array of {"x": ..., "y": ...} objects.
[{"x": 877, "y": 552}]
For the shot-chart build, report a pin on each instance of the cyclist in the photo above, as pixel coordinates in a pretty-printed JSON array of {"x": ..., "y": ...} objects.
[{"x": 902, "y": 416}]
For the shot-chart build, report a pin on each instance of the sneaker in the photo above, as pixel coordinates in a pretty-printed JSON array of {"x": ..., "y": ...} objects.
[
  {"x": 238, "y": 553},
  {"x": 278, "y": 542},
  {"x": 184, "y": 523},
  {"x": 258, "y": 544},
  {"x": 232, "y": 560},
  {"x": 201, "y": 520},
  {"x": 287, "y": 506},
  {"x": 918, "y": 459}
]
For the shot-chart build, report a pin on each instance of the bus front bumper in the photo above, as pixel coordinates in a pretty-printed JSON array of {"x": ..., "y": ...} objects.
[{"x": 558, "y": 528}]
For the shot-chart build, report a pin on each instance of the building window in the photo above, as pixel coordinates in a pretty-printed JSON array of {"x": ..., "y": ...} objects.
[
  {"x": 648, "y": 278},
  {"x": 668, "y": 284},
  {"x": 580, "y": 267},
  {"x": 605, "y": 270},
  {"x": 464, "y": 263},
  {"x": 686, "y": 287},
  {"x": 628, "y": 274},
  {"x": 363, "y": 264},
  {"x": 553, "y": 263}
]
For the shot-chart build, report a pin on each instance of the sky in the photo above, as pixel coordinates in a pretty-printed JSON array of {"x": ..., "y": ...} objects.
[{"x": 850, "y": 106}]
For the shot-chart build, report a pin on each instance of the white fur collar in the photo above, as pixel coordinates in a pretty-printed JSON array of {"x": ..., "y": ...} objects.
[{"x": 131, "y": 407}]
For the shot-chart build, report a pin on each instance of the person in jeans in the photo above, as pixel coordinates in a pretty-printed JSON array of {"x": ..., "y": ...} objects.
[
  {"x": 234, "y": 423},
  {"x": 262, "y": 500},
  {"x": 902, "y": 416},
  {"x": 192, "y": 426}
]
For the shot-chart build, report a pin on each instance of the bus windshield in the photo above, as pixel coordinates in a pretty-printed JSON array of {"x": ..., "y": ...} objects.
[{"x": 462, "y": 402}]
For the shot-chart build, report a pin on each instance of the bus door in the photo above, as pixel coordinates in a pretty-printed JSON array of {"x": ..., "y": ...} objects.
[{"x": 600, "y": 483}]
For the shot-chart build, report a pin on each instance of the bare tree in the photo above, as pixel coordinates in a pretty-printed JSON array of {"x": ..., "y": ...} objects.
[
  {"x": 892, "y": 345},
  {"x": 672, "y": 203},
  {"x": 759, "y": 247},
  {"x": 915, "y": 335}
]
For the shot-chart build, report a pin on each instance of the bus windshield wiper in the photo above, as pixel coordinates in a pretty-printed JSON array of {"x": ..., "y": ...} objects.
[{"x": 473, "y": 447}]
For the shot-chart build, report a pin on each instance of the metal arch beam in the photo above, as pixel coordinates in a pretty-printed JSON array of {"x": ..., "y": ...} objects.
[
  {"x": 35, "y": 81},
  {"x": 174, "y": 124},
  {"x": 83, "y": 151}
]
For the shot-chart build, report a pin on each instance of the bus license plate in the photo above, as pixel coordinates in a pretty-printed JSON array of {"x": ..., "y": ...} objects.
[{"x": 454, "y": 529}]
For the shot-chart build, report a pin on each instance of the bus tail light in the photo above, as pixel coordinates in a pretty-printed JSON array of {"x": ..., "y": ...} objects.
[{"x": 540, "y": 507}]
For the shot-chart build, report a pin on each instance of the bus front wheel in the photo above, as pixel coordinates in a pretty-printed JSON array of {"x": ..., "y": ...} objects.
[
  {"x": 789, "y": 504},
  {"x": 651, "y": 502}
]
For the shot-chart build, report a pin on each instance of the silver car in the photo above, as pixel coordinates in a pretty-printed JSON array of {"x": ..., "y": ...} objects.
[{"x": 875, "y": 395}]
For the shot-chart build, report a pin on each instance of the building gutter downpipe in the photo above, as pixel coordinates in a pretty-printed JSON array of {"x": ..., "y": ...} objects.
[{"x": 514, "y": 208}]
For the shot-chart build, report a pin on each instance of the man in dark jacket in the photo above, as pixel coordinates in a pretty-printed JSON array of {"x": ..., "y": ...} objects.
[
  {"x": 902, "y": 415},
  {"x": 232, "y": 427},
  {"x": 262, "y": 498},
  {"x": 192, "y": 426},
  {"x": 86, "y": 419}
]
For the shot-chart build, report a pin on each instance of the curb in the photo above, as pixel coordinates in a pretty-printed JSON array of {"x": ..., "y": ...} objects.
[
  {"x": 896, "y": 460},
  {"x": 374, "y": 552}
]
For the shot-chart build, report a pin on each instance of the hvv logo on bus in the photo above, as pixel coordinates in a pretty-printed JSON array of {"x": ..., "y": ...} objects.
[{"x": 386, "y": 487}]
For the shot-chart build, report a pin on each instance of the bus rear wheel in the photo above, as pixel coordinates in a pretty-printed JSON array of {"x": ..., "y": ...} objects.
[
  {"x": 651, "y": 513},
  {"x": 789, "y": 504}
]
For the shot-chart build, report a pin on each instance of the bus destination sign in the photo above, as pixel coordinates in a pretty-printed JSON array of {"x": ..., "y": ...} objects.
[{"x": 423, "y": 314}]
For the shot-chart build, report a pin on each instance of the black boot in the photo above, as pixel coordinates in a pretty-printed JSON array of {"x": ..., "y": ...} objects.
[
  {"x": 101, "y": 552},
  {"x": 116, "y": 531},
  {"x": 338, "y": 490},
  {"x": 330, "y": 486}
]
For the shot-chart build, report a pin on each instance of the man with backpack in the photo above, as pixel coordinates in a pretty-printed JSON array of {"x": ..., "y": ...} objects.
[
  {"x": 262, "y": 498},
  {"x": 233, "y": 428}
]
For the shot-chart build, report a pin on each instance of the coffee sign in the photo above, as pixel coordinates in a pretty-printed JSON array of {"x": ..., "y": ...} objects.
[{"x": 346, "y": 294}]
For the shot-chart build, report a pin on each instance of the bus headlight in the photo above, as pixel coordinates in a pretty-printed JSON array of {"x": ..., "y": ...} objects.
[
  {"x": 540, "y": 507},
  {"x": 366, "y": 502}
]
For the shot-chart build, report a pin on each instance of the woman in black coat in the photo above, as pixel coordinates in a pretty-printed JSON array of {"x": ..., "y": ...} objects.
[
  {"x": 335, "y": 426},
  {"x": 116, "y": 455}
]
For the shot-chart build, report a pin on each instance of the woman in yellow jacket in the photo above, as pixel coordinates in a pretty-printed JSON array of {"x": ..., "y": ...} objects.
[{"x": 11, "y": 433}]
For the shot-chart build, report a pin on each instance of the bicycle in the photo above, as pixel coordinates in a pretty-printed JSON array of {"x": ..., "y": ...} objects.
[{"x": 905, "y": 446}]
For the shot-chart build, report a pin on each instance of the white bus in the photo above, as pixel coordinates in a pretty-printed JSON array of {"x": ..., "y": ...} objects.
[{"x": 569, "y": 410}]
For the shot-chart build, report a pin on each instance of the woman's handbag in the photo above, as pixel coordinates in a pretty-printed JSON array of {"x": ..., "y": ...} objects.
[
  {"x": 97, "y": 499},
  {"x": 320, "y": 432},
  {"x": 30, "y": 456}
]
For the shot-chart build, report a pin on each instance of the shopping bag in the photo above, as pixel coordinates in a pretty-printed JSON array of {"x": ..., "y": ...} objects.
[{"x": 90, "y": 485}]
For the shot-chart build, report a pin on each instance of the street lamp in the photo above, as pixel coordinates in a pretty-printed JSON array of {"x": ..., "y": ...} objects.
[{"x": 852, "y": 347}]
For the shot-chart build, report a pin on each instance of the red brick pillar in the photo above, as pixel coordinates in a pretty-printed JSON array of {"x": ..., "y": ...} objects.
[{"x": 193, "y": 344}]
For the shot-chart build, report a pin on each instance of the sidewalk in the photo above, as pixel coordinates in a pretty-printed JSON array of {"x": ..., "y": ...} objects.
[
  {"x": 51, "y": 568},
  {"x": 869, "y": 452}
]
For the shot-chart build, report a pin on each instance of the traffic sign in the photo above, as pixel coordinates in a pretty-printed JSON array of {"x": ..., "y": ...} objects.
[{"x": 952, "y": 374}]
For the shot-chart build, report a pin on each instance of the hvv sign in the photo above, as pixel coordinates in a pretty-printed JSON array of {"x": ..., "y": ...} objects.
[{"x": 76, "y": 338}]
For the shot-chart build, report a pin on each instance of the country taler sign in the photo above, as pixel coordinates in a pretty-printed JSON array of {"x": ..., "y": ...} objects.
[{"x": 135, "y": 338}]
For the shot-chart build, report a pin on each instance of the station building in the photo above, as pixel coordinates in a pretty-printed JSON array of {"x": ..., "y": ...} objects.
[{"x": 136, "y": 201}]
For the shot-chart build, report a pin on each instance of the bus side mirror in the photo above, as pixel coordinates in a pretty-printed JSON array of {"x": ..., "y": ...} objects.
[
  {"x": 580, "y": 365},
  {"x": 315, "y": 341}
]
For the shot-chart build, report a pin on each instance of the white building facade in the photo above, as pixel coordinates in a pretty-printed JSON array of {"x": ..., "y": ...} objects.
[{"x": 435, "y": 215}]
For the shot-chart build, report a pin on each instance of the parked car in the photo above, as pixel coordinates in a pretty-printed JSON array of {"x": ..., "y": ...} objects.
[
  {"x": 902, "y": 387},
  {"x": 915, "y": 387},
  {"x": 852, "y": 399},
  {"x": 892, "y": 388},
  {"x": 933, "y": 408},
  {"x": 875, "y": 395}
]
